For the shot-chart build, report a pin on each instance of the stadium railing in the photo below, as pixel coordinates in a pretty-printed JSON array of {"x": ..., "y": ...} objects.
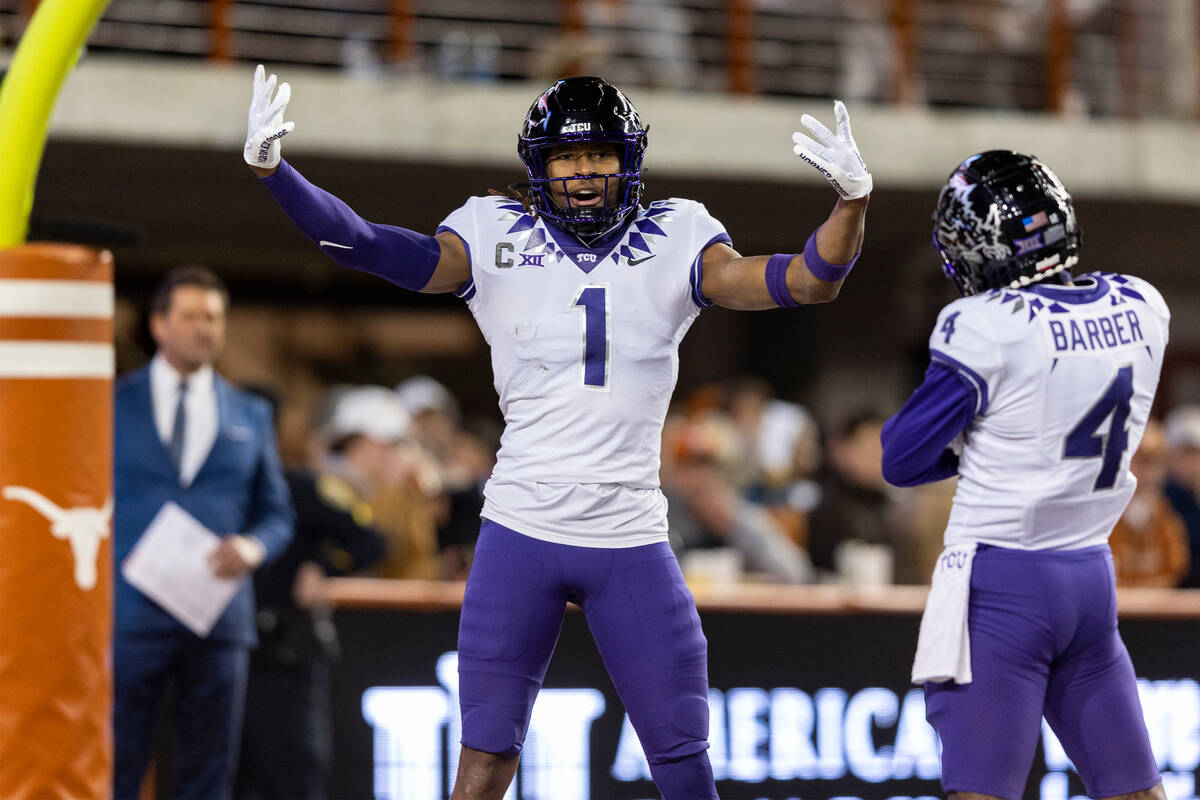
[
  {"x": 1129, "y": 58},
  {"x": 422, "y": 595}
]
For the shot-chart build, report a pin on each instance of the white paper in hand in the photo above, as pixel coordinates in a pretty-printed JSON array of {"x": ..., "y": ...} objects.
[{"x": 169, "y": 564}]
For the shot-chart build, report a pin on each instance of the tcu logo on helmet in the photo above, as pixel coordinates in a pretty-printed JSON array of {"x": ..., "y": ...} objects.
[
  {"x": 965, "y": 234},
  {"x": 83, "y": 527}
]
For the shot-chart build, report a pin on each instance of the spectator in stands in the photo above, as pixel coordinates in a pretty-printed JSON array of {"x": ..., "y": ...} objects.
[
  {"x": 921, "y": 516},
  {"x": 784, "y": 444},
  {"x": 866, "y": 51},
  {"x": 1183, "y": 479},
  {"x": 636, "y": 42},
  {"x": 287, "y": 732},
  {"x": 373, "y": 465},
  {"x": 707, "y": 512},
  {"x": 856, "y": 508},
  {"x": 464, "y": 462},
  {"x": 1149, "y": 541}
]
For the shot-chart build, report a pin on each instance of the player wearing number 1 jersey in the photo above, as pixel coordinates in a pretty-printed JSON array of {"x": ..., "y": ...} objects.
[
  {"x": 583, "y": 294},
  {"x": 1038, "y": 390}
]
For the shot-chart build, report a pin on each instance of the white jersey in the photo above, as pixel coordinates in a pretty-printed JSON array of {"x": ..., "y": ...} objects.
[
  {"x": 1065, "y": 377},
  {"x": 584, "y": 346}
]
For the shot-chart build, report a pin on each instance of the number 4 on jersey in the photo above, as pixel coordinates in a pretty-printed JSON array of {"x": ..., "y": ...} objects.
[
  {"x": 948, "y": 326},
  {"x": 1084, "y": 442}
]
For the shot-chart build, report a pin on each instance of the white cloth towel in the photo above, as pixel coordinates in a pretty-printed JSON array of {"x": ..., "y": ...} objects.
[{"x": 944, "y": 644}]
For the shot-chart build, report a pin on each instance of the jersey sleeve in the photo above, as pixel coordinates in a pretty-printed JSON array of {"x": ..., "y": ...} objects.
[
  {"x": 706, "y": 231},
  {"x": 963, "y": 343},
  {"x": 463, "y": 223}
]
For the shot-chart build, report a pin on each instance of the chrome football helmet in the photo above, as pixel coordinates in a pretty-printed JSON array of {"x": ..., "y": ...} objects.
[{"x": 1004, "y": 220}]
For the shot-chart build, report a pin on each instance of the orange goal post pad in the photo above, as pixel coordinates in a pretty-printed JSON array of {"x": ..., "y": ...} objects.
[{"x": 56, "y": 373}]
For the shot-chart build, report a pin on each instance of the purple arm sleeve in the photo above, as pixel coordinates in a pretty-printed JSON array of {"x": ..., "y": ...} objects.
[
  {"x": 399, "y": 255},
  {"x": 917, "y": 438}
]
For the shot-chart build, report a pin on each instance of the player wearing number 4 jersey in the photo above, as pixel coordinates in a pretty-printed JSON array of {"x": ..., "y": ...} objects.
[
  {"x": 583, "y": 295},
  {"x": 1038, "y": 390}
]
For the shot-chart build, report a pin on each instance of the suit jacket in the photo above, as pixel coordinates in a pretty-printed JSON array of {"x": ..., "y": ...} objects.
[{"x": 240, "y": 488}]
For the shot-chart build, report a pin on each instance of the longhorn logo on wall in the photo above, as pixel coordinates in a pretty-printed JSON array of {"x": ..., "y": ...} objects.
[{"x": 83, "y": 527}]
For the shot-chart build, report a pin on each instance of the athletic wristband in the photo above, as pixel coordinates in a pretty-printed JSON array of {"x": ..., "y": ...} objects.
[
  {"x": 777, "y": 267},
  {"x": 822, "y": 268}
]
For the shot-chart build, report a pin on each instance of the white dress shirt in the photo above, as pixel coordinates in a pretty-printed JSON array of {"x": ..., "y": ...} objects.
[{"x": 201, "y": 405}]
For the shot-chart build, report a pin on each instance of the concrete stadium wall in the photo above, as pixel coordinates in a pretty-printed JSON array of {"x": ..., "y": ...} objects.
[{"x": 198, "y": 104}]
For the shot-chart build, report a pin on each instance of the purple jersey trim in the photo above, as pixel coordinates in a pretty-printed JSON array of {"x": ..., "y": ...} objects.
[
  {"x": 697, "y": 275},
  {"x": 467, "y": 290},
  {"x": 1075, "y": 295},
  {"x": 967, "y": 374},
  {"x": 573, "y": 247},
  {"x": 916, "y": 439},
  {"x": 403, "y": 257}
]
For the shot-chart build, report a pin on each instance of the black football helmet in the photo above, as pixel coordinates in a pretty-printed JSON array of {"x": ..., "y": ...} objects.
[
  {"x": 584, "y": 109},
  {"x": 1004, "y": 220}
]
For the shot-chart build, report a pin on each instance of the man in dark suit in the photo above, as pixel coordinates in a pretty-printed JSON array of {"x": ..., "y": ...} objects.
[{"x": 185, "y": 435}]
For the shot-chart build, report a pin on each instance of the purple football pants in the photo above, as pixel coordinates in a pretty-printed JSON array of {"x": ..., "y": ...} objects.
[
  {"x": 1044, "y": 642},
  {"x": 643, "y": 619}
]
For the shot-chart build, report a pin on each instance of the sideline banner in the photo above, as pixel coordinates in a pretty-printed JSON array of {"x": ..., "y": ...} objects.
[
  {"x": 56, "y": 371},
  {"x": 803, "y": 706}
]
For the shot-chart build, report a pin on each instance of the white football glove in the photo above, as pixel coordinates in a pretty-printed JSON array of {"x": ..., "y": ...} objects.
[
  {"x": 834, "y": 156},
  {"x": 265, "y": 126}
]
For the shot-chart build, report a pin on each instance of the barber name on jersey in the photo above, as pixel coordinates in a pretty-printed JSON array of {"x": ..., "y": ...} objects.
[
  {"x": 1105, "y": 312},
  {"x": 1088, "y": 334},
  {"x": 1122, "y": 313}
]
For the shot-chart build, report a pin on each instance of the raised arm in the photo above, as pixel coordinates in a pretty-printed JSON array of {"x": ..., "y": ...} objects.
[
  {"x": 790, "y": 279},
  {"x": 409, "y": 259}
]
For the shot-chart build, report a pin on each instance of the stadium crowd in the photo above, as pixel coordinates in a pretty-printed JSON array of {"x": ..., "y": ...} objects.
[{"x": 759, "y": 489}]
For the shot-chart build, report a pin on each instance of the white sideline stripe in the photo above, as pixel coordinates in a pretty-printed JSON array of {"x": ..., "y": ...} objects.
[
  {"x": 33, "y": 298},
  {"x": 57, "y": 360}
]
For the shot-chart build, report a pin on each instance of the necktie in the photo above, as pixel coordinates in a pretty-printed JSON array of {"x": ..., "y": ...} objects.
[{"x": 175, "y": 446}]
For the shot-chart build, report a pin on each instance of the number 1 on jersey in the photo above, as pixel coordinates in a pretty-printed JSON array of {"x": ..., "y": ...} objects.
[
  {"x": 593, "y": 299},
  {"x": 1084, "y": 442}
]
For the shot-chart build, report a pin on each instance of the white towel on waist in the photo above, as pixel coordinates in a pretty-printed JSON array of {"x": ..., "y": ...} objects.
[{"x": 944, "y": 645}]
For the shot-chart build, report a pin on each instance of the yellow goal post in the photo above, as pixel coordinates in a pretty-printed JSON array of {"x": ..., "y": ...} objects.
[{"x": 48, "y": 51}]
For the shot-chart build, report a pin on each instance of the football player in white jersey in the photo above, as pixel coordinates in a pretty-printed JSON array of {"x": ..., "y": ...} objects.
[
  {"x": 1037, "y": 392},
  {"x": 583, "y": 295}
]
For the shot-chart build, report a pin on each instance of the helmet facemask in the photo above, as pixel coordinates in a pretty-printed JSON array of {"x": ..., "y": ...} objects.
[{"x": 552, "y": 197}]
